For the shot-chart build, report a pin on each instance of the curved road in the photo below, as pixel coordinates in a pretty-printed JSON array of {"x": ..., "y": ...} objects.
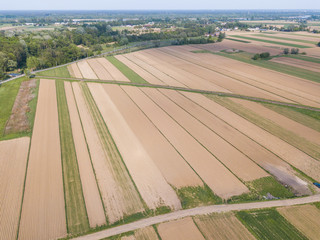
[{"x": 196, "y": 211}]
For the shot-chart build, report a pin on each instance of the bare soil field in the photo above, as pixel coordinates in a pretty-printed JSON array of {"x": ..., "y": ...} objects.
[
  {"x": 13, "y": 163},
  {"x": 140, "y": 71},
  {"x": 297, "y": 128},
  {"x": 272, "y": 163},
  {"x": 18, "y": 121},
  {"x": 214, "y": 174},
  {"x": 233, "y": 159},
  {"x": 43, "y": 208},
  {"x": 116, "y": 188},
  {"x": 183, "y": 229},
  {"x": 100, "y": 71},
  {"x": 305, "y": 218},
  {"x": 114, "y": 72},
  {"x": 298, "y": 63},
  {"x": 86, "y": 70},
  {"x": 247, "y": 47},
  {"x": 222, "y": 226},
  {"x": 114, "y": 105},
  {"x": 74, "y": 70},
  {"x": 285, "y": 151},
  {"x": 91, "y": 193},
  {"x": 147, "y": 233},
  {"x": 284, "y": 87}
]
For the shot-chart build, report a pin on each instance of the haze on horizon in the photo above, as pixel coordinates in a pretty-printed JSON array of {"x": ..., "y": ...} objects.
[{"x": 157, "y": 5}]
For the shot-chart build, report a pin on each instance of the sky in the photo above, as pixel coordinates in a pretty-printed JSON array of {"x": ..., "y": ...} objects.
[{"x": 156, "y": 5}]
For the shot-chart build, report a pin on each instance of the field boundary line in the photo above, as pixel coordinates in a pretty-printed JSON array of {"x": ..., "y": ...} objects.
[{"x": 197, "y": 211}]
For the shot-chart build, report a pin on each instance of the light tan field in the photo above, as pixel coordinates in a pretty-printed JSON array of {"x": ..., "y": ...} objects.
[
  {"x": 74, "y": 70},
  {"x": 285, "y": 151},
  {"x": 183, "y": 229},
  {"x": 90, "y": 189},
  {"x": 43, "y": 208},
  {"x": 296, "y": 35},
  {"x": 172, "y": 166},
  {"x": 115, "y": 199},
  {"x": 315, "y": 67},
  {"x": 114, "y": 72},
  {"x": 218, "y": 178},
  {"x": 273, "y": 84},
  {"x": 305, "y": 218},
  {"x": 260, "y": 155},
  {"x": 233, "y": 159},
  {"x": 131, "y": 237},
  {"x": 222, "y": 226},
  {"x": 168, "y": 80},
  {"x": 86, "y": 70},
  {"x": 160, "y": 61},
  {"x": 295, "y": 127},
  {"x": 13, "y": 163},
  {"x": 140, "y": 71},
  {"x": 113, "y": 105},
  {"x": 101, "y": 72},
  {"x": 147, "y": 233},
  {"x": 247, "y": 47}
]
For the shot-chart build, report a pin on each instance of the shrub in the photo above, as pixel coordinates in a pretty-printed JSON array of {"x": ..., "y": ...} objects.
[
  {"x": 286, "y": 51},
  {"x": 265, "y": 55},
  {"x": 256, "y": 56}
]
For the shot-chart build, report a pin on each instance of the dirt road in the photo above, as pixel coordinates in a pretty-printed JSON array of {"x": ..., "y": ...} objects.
[{"x": 197, "y": 211}]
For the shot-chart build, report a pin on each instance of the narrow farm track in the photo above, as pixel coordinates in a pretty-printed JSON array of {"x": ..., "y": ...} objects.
[
  {"x": 223, "y": 94},
  {"x": 196, "y": 211}
]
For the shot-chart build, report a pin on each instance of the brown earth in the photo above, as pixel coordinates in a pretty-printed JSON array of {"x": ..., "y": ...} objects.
[
  {"x": 315, "y": 67},
  {"x": 43, "y": 208},
  {"x": 147, "y": 233},
  {"x": 101, "y": 72},
  {"x": 13, "y": 161},
  {"x": 86, "y": 70},
  {"x": 183, "y": 229},
  {"x": 114, "y": 72},
  {"x": 74, "y": 70},
  {"x": 18, "y": 121}
]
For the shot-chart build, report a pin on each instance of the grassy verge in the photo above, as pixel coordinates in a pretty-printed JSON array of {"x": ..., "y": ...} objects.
[
  {"x": 77, "y": 220},
  {"x": 260, "y": 188},
  {"x": 56, "y": 72},
  {"x": 306, "y": 117},
  {"x": 237, "y": 40},
  {"x": 293, "y": 139},
  {"x": 128, "y": 72},
  {"x": 317, "y": 204},
  {"x": 285, "y": 38},
  {"x": 191, "y": 197},
  {"x": 283, "y": 68},
  {"x": 269, "y": 224},
  {"x": 272, "y": 42},
  {"x": 118, "y": 167},
  {"x": 8, "y": 94}
]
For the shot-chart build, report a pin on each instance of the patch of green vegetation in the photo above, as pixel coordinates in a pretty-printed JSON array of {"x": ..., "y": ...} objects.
[
  {"x": 128, "y": 72},
  {"x": 290, "y": 137},
  {"x": 237, "y": 40},
  {"x": 33, "y": 105},
  {"x": 162, "y": 210},
  {"x": 76, "y": 214},
  {"x": 268, "y": 224},
  {"x": 8, "y": 94},
  {"x": 201, "y": 51},
  {"x": 290, "y": 70},
  {"x": 285, "y": 38},
  {"x": 56, "y": 72},
  {"x": 302, "y": 57},
  {"x": 119, "y": 236},
  {"x": 317, "y": 204},
  {"x": 272, "y": 42},
  {"x": 260, "y": 188},
  {"x": 306, "y": 117},
  {"x": 191, "y": 197}
]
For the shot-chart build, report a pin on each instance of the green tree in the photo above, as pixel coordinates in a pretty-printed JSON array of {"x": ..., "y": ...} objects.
[
  {"x": 33, "y": 63},
  {"x": 286, "y": 51},
  {"x": 318, "y": 44},
  {"x": 256, "y": 56}
]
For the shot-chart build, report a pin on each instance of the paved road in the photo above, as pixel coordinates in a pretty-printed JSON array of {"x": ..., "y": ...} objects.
[{"x": 196, "y": 211}]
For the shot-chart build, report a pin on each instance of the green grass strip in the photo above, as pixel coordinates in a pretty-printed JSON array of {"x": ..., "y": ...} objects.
[
  {"x": 237, "y": 40},
  {"x": 283, "y": 68},
  {"x": 56, "y": 72},
  {"x": 128, "y": 72},
  {"x": 77, "y": 219},
  {"x": 303, "y": 57},
  {"x": 268, "y": 224},
  {"x": 285, "y": 38},
  {"x": 293, "y": 139},
  {"x": 8, "y": 94},
  {"x": 270, "y": 41}
]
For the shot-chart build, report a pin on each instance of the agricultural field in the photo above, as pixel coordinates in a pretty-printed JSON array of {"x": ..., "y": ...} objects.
[{"x": 104, "y": 142}]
